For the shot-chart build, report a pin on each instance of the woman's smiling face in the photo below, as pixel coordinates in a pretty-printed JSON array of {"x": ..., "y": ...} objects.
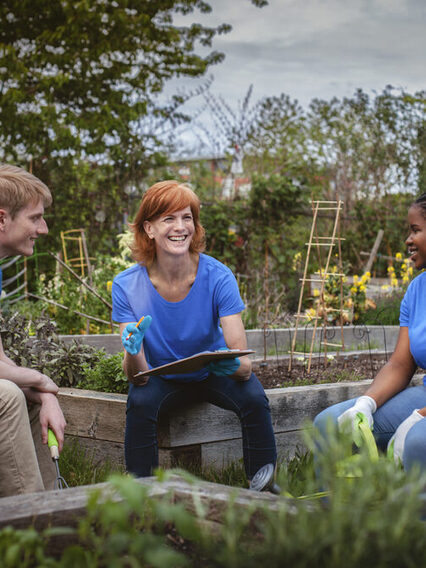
[
  {"x": 416, "y": 240},
  {"x": 172, "y": 232}
]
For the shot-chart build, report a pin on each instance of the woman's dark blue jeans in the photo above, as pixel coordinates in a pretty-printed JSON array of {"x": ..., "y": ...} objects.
[{"x": 246, "y": 398}]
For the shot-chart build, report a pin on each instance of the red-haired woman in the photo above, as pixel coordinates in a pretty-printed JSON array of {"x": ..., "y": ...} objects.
[{"x": 191, "y": 303}]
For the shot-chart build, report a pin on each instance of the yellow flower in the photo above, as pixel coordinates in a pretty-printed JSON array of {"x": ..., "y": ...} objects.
[
  {"x": 310, "y": 313},
  {"x": 109, "y": 285},
  {"x": 385, "y": 287},
  {"x": 355, "y": 278},
  {"x": 316, "y": 292},
  {"x": 394, "y": 282},
  {"x": 362, "y": 288},
  {"x": 353, "y": 290},
  {"x": 398, "y": 256}
]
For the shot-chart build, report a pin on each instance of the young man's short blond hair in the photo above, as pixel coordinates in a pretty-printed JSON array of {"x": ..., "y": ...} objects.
[{"x": 19, "y": 188}]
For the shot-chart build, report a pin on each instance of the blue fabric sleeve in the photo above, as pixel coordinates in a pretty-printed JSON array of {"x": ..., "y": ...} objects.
[
  {"x": 404, "y": 310},
  {"x": 121, "y": 310},
  {"x": 228, "y": 297}
]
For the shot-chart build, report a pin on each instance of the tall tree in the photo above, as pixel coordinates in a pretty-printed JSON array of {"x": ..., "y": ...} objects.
[
  {"x": 80, "y": 79},
  {"x": 78, "y": 75}
]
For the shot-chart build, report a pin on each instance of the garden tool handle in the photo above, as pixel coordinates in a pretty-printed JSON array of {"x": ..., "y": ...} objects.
[
  {"x": 52, "y": 442},
  {"x": 366, "y": 435}
]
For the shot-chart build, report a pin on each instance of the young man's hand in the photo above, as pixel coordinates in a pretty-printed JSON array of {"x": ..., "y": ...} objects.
[{"x": 51, "y": 416}]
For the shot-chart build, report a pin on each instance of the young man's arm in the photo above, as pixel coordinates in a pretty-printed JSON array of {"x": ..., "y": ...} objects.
[
  {"x": 40, "y": 389},
  {"x": 24, "y": 377}
]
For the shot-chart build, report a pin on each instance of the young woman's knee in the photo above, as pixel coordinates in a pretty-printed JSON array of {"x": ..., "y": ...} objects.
[{"x": 415, "y": 447}]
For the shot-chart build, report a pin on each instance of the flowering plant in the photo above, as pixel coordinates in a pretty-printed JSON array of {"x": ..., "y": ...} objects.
[{"x": 338, "y": 300}]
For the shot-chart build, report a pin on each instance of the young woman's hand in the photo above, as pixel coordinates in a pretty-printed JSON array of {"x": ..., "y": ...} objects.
[
  {"x": 133, "y": 343},
  {"x": 398, "y": 439},
  {"x": 224, "y": 367},
  {"x": 364, "y": 404}
]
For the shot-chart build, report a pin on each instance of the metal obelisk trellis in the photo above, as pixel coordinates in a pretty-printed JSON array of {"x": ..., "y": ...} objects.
[{"x": 330, "y": 244}]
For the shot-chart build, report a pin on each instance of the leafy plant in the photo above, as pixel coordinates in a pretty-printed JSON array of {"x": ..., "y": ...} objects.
[
  {"x": 373, "y": 514},
  {"x": 105, "y": 375},
  {"x": 80, "y": 466},
  {"x": 45, "y": 351}
]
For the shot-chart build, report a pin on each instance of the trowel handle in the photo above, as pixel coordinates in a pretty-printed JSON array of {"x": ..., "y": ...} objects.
[{"x": 52, "y": 442}]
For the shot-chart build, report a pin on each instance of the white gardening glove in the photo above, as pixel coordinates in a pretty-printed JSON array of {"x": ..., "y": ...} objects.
[
  {"x": 364, "y": 404},
  {"x": 398, "y": 439}
]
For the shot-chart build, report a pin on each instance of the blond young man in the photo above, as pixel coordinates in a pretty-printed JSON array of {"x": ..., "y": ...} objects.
[{"x": 28, "y": 401}]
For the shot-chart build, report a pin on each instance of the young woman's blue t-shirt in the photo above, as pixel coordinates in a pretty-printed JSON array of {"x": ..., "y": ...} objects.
[
  {"x": 179, "y": 329},
  {"x": 413, "y": 316}
]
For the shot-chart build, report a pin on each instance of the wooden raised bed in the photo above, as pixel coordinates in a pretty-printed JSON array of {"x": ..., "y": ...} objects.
[
  {"x": 202, "y": 433},
  {"x": 65, "y": 508}
]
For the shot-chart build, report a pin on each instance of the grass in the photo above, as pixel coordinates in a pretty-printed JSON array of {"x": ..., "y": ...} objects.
[{"x": 79, "y": 466}]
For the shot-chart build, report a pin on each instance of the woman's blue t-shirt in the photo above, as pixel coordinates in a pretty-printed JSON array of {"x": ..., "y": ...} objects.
[
  {"x": 179, "y": 329},
  {"x": 413, "y": 316}
]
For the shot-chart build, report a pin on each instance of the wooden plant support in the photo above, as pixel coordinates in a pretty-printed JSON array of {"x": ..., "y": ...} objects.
[
  {"x": 82, "y": 261},
  {"x": 329, "y": 244}
]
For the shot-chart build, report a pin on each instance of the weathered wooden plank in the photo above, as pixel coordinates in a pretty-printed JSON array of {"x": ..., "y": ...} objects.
[
  {"x": 96, "y": 415},
  {"x": 290, "y": 408},
  {"x": 102, "y": 451},
  {"x": 200, "y": 434},
  {"x": 224, "y": 452},
  {"x": 65, "y": 508},
  {"x": 101, "y": 416}
]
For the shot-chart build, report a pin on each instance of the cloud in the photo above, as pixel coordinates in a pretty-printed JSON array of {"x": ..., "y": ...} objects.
[{"x": 318, "y": 48}]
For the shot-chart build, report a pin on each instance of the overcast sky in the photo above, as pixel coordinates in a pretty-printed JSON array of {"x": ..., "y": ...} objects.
[{"x": 318, "y": 48}]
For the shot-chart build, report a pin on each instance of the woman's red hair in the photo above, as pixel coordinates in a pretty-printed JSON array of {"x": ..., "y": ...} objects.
[{"x": 160, "y": 199}]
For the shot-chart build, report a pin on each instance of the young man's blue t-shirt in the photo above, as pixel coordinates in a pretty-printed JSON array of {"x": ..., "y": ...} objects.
[
  {"x": 413, "y": 316},
  {"x": 179, "y": 329}
]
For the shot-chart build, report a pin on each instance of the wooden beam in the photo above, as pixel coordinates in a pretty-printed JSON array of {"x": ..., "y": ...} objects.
[
  {"x": 65, "y": 508},
  {"x": 374, "y": 250}
]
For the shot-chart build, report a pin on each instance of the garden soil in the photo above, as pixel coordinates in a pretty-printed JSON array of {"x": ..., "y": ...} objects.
[{"x": 274, "y": 374}]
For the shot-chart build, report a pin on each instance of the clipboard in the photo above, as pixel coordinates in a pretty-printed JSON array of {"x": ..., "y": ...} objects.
[{"x": 194, "y": 363}]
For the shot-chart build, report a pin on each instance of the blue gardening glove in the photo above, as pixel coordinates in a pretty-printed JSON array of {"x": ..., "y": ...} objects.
[
  {"x": 224, "y": 367},
  {"x": 133, "y": 344},
  {"x": 397, "y": 442}
]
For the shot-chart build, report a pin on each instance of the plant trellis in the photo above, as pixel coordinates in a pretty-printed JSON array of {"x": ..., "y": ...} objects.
[{"x": 329, "y": 244}]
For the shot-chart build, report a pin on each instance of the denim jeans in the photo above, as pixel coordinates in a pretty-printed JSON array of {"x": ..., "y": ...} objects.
[
  {"x": 387, "y": 418},
  {"x": 246, "y": 398}
]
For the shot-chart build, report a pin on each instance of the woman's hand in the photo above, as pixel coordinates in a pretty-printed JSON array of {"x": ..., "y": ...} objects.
[
  {"x": 234, "y": 335},
  {"x": 132, "y": 336},
  {"x": 398, "y": 439},
  {"x": 224, "y": 367},
  {"x": 364, "y": 404}
]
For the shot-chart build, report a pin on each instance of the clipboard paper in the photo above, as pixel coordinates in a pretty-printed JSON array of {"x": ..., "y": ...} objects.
[{"x": 194, "y": 363}]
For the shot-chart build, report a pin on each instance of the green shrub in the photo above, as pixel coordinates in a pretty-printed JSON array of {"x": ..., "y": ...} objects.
[
  {"x": 105, "y": 375},
  {"x": 45, "y": 351},
  {"x": 386, "y": 311}
]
